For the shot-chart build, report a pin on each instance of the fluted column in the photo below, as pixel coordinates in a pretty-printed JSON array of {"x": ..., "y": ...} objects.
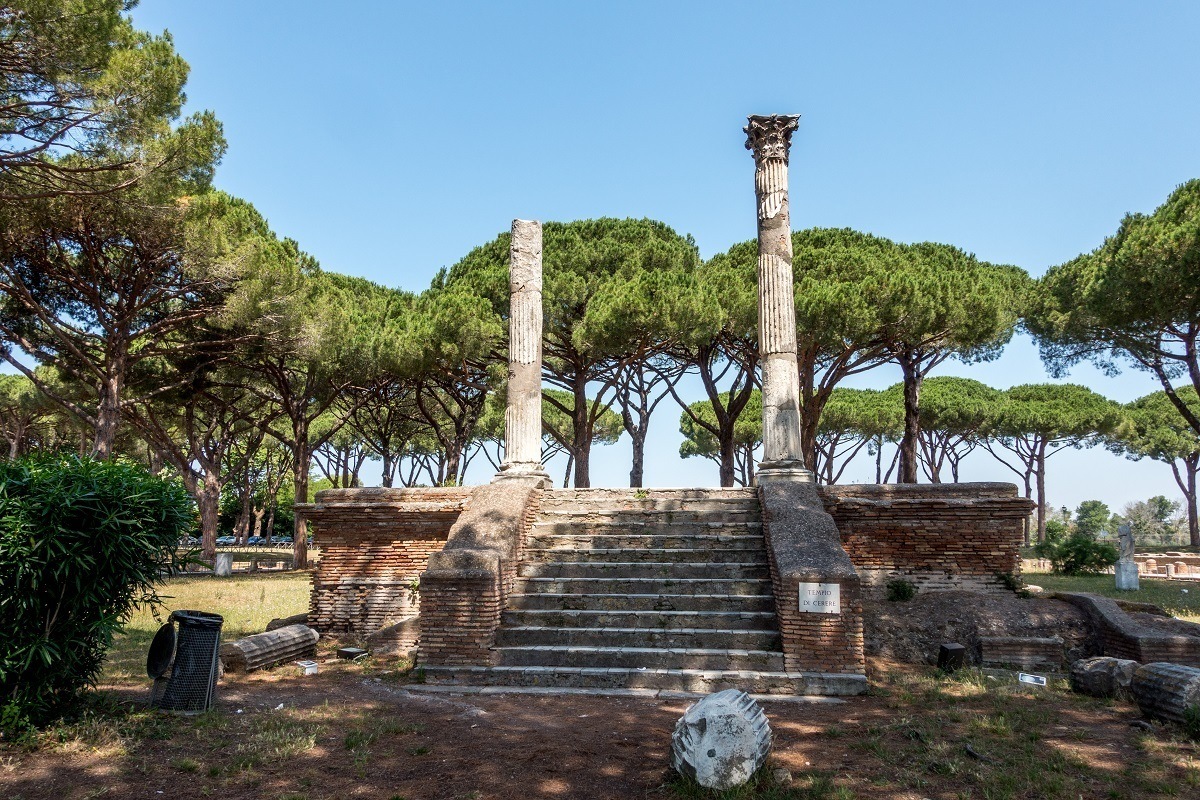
[
  {"x": 523, "y": 415},
  {"x": 769, "y": 138}
]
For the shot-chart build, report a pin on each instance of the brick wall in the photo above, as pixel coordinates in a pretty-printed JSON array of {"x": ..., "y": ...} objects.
[
  {"x": 939, "y": 536},
  {"x": 820, "y": 642},
  {"x": 462, "y": 613},
  {"x": 374, "y": 545},
  {"x": 1028, "y": 652}
]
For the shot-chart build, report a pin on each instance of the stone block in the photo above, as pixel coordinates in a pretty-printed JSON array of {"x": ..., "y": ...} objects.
[
  {"x": 1103, "y": 676},
  {"x": 1166, "y": 691}
]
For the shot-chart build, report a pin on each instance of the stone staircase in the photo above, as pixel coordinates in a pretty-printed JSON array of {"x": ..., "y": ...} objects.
[{"x": 655, "y": 589}]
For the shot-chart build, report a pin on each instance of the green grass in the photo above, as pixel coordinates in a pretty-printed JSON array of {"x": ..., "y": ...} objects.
[
  {"x": 247, "y": 602},
  {"x": 762, "y": 786},
  {"x": 1168, "y": 595}
]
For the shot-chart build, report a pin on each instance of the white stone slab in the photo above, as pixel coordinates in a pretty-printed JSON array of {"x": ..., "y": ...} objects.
[{"x": 821, "y": 598}]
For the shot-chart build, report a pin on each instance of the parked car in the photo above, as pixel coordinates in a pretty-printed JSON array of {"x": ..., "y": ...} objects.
[
  {"x": 224, "y": 541},
  {"x": 254, "y": 541}
]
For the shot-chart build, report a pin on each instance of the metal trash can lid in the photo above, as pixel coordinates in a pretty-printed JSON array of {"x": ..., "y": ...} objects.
[
  {"x": 198, "y": 619},
  {"x": 162, "y": 650}
]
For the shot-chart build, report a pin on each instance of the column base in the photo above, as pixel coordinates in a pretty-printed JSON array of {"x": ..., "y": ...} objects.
[
  {"x": 525, "y": 473},
  {"x": 794, "y": 471}
]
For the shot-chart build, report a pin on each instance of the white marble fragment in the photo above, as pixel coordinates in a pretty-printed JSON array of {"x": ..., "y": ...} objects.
[{"x": 721, "y": 740}]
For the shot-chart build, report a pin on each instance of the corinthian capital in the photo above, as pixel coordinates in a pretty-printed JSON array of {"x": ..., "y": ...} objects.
[{"x": 770, "y": 136}]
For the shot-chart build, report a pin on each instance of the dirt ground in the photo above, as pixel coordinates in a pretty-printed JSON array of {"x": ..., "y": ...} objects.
[
  {"x": 356, "y": 731},
  {"x": 913, "y": 631}
]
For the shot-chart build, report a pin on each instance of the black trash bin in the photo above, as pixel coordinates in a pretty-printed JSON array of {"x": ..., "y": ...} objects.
[{"x": 191, "y": 656}]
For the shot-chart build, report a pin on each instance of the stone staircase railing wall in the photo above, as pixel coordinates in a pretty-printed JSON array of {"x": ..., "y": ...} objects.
[
  {"x": 804, "y": 551},
  {"x": 466, "y": 584},
  {"x": 938, "y": 536},
  {"x": 374, "y": 544},
  {"x": 1124, "y": 637}
]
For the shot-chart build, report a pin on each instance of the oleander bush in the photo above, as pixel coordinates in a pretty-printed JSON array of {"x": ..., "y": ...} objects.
[
  {"x": 1077, "y": 554},
  {"x": 82, "y": 543}
]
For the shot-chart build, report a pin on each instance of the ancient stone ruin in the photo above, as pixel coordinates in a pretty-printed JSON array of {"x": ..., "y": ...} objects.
[{"x": 689, "y": 589}]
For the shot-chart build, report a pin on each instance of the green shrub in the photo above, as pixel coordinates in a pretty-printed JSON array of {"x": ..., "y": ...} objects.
[
  {"x": 1077, "y": 554},
  {"x": 82, "y": 543},
  {"x": 1191, "y": 722},
  {"x": 901, "y": 590}
]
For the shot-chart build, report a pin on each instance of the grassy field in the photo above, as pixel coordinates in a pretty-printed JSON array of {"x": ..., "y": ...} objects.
[
  {"x": 1175, "y": 597},
  {"x": 247, "y": 602}
]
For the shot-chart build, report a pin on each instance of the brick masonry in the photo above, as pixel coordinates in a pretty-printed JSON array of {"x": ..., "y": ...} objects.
[
  {"x": 374, "y": 544},
  {"x": 822, "y": 643},
  {"x": 938, "y": 536},
  {"x": 1027, "y": 652}
]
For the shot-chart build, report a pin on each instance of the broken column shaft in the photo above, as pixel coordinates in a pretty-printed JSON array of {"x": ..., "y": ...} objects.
[{"x": 523, "y": 416}]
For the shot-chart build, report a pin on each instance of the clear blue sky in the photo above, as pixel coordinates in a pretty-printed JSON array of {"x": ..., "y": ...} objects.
[{"x": 390, "y": 138}]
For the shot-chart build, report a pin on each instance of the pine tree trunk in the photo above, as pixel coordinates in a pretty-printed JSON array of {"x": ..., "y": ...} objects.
[
  {"x": 1193, "y": 520},
  {"x": 808, "y": 435},
  {"x": 909, "y": 365},
  {"x": 1026, "y": 528},
  {"x": 728, "y": 456},
  {"x": 208, "y": 503},
  {"x": 388, "y": 467},
  {"x": 108, "y": 411},
  {"x": 639, "y": 457},
  {"x": 1041, "y": 491},
  {"x": 581, "y": 443},
  {"x": 300, "y": 482}
]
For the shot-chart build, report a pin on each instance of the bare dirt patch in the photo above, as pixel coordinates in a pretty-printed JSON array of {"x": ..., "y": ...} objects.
[
  {"x": 1168, "y": 625},
  {"x": 911, "y": 631},
  {"x": 355, "y": 731}
]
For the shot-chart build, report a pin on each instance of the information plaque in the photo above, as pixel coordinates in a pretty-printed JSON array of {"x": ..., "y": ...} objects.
[{"x": 821, "y": 598}]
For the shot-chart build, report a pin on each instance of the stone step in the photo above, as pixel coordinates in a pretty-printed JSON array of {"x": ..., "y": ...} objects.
[
  {"x": 640, "y": 619},
  {"x": 565, "y": 526},
  {"x": 637, "y": 540},
  {"x": 644, "y": 657},
  {"x": 685, "y": 638},
  {"x": 650, "y": 569},
  {"x": 672, "y": 555},
  {"x": 577, "y": 514},
  {"x": 678, "y": 680},
  {"x": 656, "y": 492},
  {"x": 652, "y": 498},
  {"x": 731, "y": 603},
  {"x": 643, "y": 586}
]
